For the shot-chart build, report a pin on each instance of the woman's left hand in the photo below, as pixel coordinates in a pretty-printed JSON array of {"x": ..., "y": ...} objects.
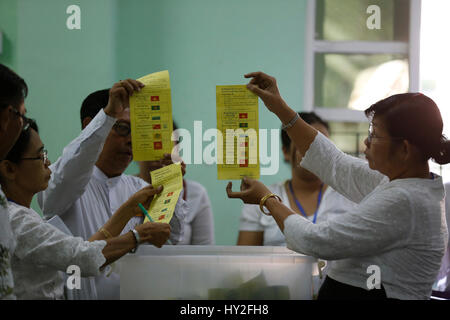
[
  {"x": 252, "y": 191},
  {"x": 144, "y": 197}
]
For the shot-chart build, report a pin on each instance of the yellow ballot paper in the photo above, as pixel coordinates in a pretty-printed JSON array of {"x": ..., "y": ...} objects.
[
  {"x": 151, "y": 118},
  {"x": 163, "y": 205},
  {"x": 237, "y": 121}
]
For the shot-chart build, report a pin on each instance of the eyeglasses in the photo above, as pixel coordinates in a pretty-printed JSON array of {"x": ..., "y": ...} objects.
[
  {"x": 122, "y": 128},
  {"x": 372, "y": 136},
  {"x": 43, "y": 156},
  {"x": 26, "y": 124}
]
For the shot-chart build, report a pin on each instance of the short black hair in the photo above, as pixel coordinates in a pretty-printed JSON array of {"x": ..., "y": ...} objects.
[
  {"x": 94, "y": 103},
  {"x": 13, "y": 89},
  {"x": 309, "y": 118},
  {"x": 17, "y": 151}
]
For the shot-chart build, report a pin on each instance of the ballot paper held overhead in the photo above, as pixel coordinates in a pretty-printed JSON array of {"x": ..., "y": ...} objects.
[
  {"x": 237, "y": 121},
  {"x": 151, "y": 118}
]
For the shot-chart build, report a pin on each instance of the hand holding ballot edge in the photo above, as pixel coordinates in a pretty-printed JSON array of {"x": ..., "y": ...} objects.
[
  {"x": 252, "y": 191},
  {"x": 119, "y": 96},
  {"x": 265, "y": 87},
  {"x": 255, "y": 192}
]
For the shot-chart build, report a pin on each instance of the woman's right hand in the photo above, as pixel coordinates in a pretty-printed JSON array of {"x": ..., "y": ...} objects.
[
  {"x": 252, "y": 191},
  {"x": 154, "y": 232},
  {"x": 265, "y": 87}
]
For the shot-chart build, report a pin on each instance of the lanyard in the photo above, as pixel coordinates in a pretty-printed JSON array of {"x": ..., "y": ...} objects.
[
  {"x": 12, "y": 201},
  {"x": 299, "y": 206}
]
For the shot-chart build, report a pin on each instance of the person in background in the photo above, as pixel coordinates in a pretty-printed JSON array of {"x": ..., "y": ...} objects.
[
  {"x": 42, "y": 250},
  {"x": 304, "y": 193},
  {"x": 397, "y": 231},
  {"x": 13, "y": 91},
  {"x": 199, "y": 223},
  {"x": 88, "y": 183}
]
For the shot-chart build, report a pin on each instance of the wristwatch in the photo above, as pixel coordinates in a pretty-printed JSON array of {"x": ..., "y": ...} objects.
[{"x": 137, "y": 238}]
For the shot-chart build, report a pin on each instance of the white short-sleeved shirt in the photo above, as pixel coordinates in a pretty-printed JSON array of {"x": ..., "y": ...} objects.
[
  {"x": 252, "y": 219},
  {"x": 7, "y": 246},
  {"x": 443, "y": 280},
  {"x": 199, "y": 221},
  {"x": 43, "y": 250}
]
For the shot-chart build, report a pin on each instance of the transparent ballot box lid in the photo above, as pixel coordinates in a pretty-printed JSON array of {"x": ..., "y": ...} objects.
[{"x": 216, "y": 273}]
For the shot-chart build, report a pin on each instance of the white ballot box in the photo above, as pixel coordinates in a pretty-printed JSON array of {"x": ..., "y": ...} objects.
[{"x": 216, "y": 273}]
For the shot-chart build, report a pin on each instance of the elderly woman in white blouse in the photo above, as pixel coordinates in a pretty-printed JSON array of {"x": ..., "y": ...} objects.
[
  {"x": 42, "y": 250},
  {"x": 398, "y": 226}
]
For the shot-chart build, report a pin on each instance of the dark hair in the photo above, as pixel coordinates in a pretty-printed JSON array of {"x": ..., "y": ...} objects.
[
  {"x": 309, "y": 118},
  {"x": 13, "y": 89},
  {"x": 93, "y": 104},
  {"x": 17, "y": 151},
  {"x": 416, "y": 118}
]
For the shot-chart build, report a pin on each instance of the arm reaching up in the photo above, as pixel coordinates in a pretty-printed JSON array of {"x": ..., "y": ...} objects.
[{"x": 73, "y": 170}]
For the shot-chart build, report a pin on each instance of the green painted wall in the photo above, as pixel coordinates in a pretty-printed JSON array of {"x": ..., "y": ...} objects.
[
  {"x": 8, "y": 28},
  {"x": 61, "y": 66},
  {"x": 203, "y": 43}
]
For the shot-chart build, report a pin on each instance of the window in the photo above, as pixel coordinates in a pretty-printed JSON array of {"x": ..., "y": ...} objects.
[
  {"x": 350, "y": 66},
  {"x": 349, "y": 137},
  {"x": 434, "y": 66}
]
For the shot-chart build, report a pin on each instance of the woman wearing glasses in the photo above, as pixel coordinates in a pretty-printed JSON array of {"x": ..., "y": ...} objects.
[
  {"x": 304, "y": 193},
  {"x": 392, "y": 243},
  {"x": 13, "y": 91},
  {"x": 42, "y": 250}
]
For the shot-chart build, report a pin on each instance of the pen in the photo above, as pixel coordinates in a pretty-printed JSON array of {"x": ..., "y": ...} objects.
[
  {"x": 149, "y": 218},
  {"x": 145, "y": 212}
]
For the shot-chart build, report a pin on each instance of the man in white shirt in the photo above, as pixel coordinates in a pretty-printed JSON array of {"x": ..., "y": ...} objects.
[
  {"x": 88, "y": 184},
  {"x": 13, "y": 91}
]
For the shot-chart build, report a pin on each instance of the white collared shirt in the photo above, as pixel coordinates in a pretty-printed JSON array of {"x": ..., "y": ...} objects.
[
  {"x": 398, "y": 226},
  {"x": 443, "y": 279},
  {"x": 7, "y": 245},
  {"x": 199, "y": 226},
  {"x": 85, "y": 198},
  {"x": 43, "y": 250}
]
